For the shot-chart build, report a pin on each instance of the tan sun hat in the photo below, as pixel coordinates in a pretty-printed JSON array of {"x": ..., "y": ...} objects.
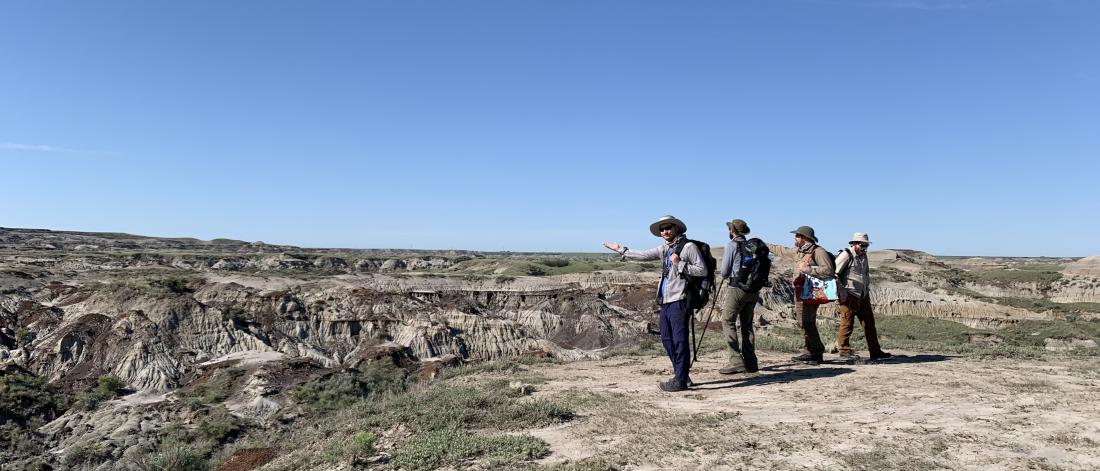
[
  {"x": 655, "y": 228},
  {"x": 860, "y": 237}
]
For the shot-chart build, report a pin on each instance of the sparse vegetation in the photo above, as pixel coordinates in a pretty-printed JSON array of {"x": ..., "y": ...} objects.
[
  {"x": 345, "y": 388},
  {"x": 28, "y": 402},
  {"x": 556, "y": 262},
  {"x": 510, "y": 364},
  {"x": 107, "y": 387}
]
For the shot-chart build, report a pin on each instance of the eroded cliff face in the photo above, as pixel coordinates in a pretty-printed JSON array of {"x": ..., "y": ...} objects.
[
  {"x": 151, "y": 338},
  {"x": 150, "y": 325}
]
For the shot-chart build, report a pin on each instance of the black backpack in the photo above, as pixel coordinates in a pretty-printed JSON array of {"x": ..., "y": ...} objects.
[
  {"x": 756, "y": 265},
  {"x": 699, "y": 287}
]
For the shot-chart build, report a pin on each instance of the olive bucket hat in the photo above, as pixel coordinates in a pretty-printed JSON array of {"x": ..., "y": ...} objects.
[
  {"x": 738, "y": 225},
  {"x": 655, "y": 228},
  {"x": 805, "y": 231}
]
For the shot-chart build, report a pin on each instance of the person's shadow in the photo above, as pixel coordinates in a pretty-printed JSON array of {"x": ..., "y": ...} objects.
[
  {"x": 782, "y": 373},
  {"x": 781, "y": 376}
]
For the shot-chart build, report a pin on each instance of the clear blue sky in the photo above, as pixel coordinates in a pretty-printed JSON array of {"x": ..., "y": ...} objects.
[{"x": 958, "y": 127}]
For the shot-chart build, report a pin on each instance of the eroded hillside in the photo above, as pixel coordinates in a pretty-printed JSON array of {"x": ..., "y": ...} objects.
[{"x": 113, "y": 344}]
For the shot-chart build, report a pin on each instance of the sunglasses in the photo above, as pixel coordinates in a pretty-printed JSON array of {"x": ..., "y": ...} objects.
[
  {"x": 863, "y": 244},
  {"x": 667, "y": 227}
]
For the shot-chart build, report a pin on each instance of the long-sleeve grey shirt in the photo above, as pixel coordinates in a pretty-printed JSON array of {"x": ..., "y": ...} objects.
[
  {"x": 731, "y": 263},
  {"x": 691, "y": 263}
]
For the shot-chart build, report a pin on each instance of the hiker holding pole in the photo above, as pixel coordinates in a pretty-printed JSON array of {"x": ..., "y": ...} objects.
[
  {"x": 681, "y": 258},
  {"x": 738, "y": 306}
]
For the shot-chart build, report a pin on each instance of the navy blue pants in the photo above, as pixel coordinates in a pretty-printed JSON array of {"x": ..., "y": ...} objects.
[{"x": 674, "y": 320}]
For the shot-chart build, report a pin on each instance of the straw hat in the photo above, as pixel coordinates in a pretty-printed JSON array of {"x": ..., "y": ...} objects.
[{"x": 860, "y": 237}]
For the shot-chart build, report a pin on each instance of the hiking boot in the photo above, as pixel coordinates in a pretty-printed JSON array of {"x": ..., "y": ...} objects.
[
  {"x": 848, "y": 356},
  {"x": 880, "y": 356},
  {"x": 732, "y": 370},
  {"x": 807, "y": 358},
  {"x": 672, "y": 386}
]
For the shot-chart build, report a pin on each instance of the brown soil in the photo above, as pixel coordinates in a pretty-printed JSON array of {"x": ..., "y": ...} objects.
[{"x": 248, "y": 459}]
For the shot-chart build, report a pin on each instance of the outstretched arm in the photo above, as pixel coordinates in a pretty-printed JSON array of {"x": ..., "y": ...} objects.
[{"x": 648, "y": 254}]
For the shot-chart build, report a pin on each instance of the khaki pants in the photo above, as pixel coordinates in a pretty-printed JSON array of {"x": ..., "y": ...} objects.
[
  {"x": 857, "y": 308},
  {"x": 807, "y": 319},
  {"x": 738, "y": 310}
]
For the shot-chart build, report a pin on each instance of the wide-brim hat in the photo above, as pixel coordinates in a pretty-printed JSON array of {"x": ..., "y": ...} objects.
[
  {"x": 655, "y": 228},
  {"x": 738, "y": 225},
  {"x": 860, "y": 237},
  {"x": 806, "y": 231}
]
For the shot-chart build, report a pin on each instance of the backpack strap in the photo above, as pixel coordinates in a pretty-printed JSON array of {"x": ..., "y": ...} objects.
[
  {"x": 843, "y": 274},
  {"x": 810, "y": 256}
]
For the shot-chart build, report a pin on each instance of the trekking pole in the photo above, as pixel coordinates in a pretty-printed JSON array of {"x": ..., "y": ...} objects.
[{"x": 699, "y": 341}]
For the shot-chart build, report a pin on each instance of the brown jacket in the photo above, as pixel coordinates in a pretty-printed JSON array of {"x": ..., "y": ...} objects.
[{"x": 820, "y": 266}]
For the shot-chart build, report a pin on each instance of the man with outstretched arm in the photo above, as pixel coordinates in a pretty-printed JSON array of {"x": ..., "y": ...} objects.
[{"x": 680, "y": 258}]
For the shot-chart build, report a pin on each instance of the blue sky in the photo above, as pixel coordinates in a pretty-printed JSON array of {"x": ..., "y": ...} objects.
[{"x": 956, "y": 127}]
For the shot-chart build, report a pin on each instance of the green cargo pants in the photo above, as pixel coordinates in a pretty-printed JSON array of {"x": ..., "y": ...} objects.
[{"x": 738, "y": 310}]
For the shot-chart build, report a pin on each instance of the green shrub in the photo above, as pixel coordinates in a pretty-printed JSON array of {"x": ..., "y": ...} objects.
[
  {"x": 28, "y": 401},
  {"x": 218, "y": 425},
  {"x": 364, "y": 443},
  {"x": 449, "y": 447},
  {"x": 454, "y": 407},
  {"x": 214, "y": 389},
  {"x": 174, "y": 285},
  {"x": 346, "y": 388},
  {"x": 174, "y": 455},
  {"x": 83, "y": 453},
  {"x": 556, "y": 262},
  {"x": 107, "y": 387}
]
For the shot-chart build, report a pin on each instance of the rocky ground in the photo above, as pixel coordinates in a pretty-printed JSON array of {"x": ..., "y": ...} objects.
[
  {"x": 131, "y": 352},
  {"x": 918, "y": 411}
]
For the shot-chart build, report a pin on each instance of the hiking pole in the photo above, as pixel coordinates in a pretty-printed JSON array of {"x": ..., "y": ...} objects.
[{"x": 699, "y": 341}]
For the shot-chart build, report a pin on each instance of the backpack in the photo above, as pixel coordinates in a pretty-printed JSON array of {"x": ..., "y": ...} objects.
[
  {"x": 756, "y": 265},
  {"x": 832, "y": 256},
  {"x": 842, "y": 276},
  {"x": 699, "y": 287}
]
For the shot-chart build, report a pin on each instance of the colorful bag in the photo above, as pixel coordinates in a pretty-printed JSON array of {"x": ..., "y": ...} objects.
[{"x": 817, "y": 290}]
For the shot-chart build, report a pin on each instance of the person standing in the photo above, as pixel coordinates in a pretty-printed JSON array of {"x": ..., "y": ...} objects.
[
  {"x": 738, "y": 306},
  {"x": 816, "y": 262},
  {"x": 680, "y": 258},
  {"x": 854, "y": 278}
]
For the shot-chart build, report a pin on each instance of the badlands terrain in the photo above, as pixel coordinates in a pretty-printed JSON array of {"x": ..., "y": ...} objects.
[{"x": 128, "y": 352}]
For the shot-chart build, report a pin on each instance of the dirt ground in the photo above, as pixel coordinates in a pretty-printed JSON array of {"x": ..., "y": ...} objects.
[{"x": 914, "y": 412}]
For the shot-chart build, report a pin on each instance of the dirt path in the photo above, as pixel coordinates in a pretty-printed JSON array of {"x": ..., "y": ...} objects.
[{"x": 915, "y": 412}]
